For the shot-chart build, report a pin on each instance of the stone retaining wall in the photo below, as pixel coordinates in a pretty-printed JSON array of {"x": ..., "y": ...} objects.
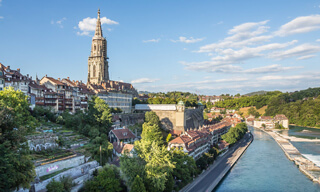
[{"x": 59, "y": 165}]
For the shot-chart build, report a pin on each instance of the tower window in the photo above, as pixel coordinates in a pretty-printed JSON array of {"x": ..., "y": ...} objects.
[
  {"x": 94, "y": 71},
  {"x": 94, "y": 47}
]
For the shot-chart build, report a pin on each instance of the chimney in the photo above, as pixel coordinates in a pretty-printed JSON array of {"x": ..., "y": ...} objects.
[
  {"x": 68, "y": 78},
  {"x": 46, "y": 75},
  {"x": 18, "y": 70},
  {"x": 28, "y": 75},
  {"x": 59, "y": 79}
]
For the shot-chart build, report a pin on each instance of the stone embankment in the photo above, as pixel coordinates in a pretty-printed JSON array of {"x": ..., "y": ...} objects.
[
  {"x": 232, "y": 163},
  {"x": 209, "y": 179},
  {"x": 306, "y": 166}
]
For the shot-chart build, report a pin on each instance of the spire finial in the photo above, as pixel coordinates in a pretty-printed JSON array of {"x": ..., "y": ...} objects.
[{"x": 99, "y": 13}]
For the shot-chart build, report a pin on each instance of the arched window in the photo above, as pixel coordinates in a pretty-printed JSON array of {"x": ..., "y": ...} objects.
[
  {"x": 94, "y": 47},
  {"x": 94, "y": 71}
]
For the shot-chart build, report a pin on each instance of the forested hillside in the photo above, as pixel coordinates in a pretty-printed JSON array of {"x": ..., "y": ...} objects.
[
  {"x": 190, "y": 99},
  {"x": 300, "y": 112},
  {"x": 301, "y": 107},
  {"x": 257, "y": 100}
]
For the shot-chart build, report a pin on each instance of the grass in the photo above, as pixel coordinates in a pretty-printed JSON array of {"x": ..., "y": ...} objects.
[
  {"x": 45, "y": 177},
  {"x": 244, "y": 110}
]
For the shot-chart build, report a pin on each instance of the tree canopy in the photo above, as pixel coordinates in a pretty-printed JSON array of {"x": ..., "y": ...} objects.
[
  {"x": 16, "y": 167},
  {"x": 235, "y": 133},
  {"x": 108, "y": 179}
]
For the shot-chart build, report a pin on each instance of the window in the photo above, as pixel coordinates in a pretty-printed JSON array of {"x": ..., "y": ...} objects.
[
  {"x": 94, "y": 47},
  {"x": 94, "y": 71}
]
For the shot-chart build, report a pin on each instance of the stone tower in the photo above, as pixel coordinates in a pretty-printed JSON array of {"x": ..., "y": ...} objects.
[{"x": 98, "y": 71}]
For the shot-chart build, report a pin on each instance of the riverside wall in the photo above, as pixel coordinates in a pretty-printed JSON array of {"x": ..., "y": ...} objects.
[
  {"x": 305, "y": 165},
  {"x": 227, "y": 169}
]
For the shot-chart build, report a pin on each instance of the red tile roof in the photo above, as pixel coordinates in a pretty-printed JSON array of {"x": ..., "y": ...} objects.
[
  {"x": 280, "y": 117},
  {"x": 123, "y": 133}
]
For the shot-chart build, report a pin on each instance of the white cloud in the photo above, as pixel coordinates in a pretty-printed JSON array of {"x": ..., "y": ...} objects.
[
  {"x": 144, "y": 80},
  {"x": 89, "y": 24},
  {"x": 151, "y": 40},
  {"x": 241, "y": 35},
  {"x": 300, "y": 50},
  {"x": 318, "y": 40},
  {"x": 293, "y": 77},
  {"x": 231, "y": 56},
  {"x": 186, "y": 40},
  {"x": 59, "y": 22},
  {"x": 1, "y": 17},
  {"x": 247, "y": 27},
  {"x": 305, "y": 57},
  {"x": 86, "y": 33},
  {"x": 301, "y": 24},
  {"x": 270, "y": 69},
  {"x": 237, "y": 69},
  {"x": 219, "y": 23}
]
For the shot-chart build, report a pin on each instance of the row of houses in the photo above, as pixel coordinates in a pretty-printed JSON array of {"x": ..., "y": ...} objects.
[
  {"x": 197, "y": 142},
  {"x": 267, "y": 121},
  {"x": 65, "y": 94},
  {"x": 212, "y": 99}
]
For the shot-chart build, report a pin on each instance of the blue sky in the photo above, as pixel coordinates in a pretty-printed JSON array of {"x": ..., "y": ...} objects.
[{"x": 205, "y": 47}]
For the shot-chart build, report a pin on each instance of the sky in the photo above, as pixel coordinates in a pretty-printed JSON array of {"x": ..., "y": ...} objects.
[{"x": 201, "y": 46}]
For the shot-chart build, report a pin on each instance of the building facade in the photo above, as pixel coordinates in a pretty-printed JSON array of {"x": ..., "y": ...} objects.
[{"x": 175, "y": 117}]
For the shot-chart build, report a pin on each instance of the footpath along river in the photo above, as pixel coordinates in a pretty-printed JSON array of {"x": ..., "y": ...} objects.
[{"x": 264, "y": 167}]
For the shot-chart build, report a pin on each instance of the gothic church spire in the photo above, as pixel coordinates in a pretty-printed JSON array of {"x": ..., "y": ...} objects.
[{"x": 98, "y": 32}]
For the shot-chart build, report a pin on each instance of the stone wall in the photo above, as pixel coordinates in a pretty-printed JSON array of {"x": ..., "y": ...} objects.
[
  {"x": 42, "y": 142},
  {"x": 194, "y": 118},
  {"x": 59, "y": 165},
  {"x": 168, "y": 119},
  {"x": 84, "y": 171},
  {"x": 131, "y": 119}
]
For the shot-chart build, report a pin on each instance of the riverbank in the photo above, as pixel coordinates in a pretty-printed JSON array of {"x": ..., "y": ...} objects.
[
  {"x": 209, "y": 179},
  {"x": 304, "y": 126},
  {"x": 310, "y": 169}
]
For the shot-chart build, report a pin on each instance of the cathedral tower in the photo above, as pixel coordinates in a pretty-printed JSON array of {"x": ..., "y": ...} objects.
[{"x": 98, "y": 71}]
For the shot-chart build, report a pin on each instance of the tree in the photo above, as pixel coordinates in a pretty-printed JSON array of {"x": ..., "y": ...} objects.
[
  {"x": 131, "y": 167},
  {"x": 278, "y": 126},
  {"x": 106, "y": 149},
  {"x": 54, "y": 186},
  {"x": 16, "y": 167},
  {"x": 169, "y": 138},
  {"x": 151, "y": 132},
  {"x": 254, "y": 112},
  {"x": 67, "y": 183},
  {"x": 108, "y": 179},
  {"x": 263, "y": 125},
  {"x": 99, "y": 114},
  {"x": 201, "y": 163},
  {"x": 152, "y": 118},
  {"x": 18, "y": 103},
  {"x": 185, "y": 167},
  {"x": 137, "y": 185},
  {"x": 235, "y": 133},
  {"x": 158, "y": 166}
]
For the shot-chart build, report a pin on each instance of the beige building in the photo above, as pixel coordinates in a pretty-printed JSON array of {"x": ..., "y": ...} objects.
[
  {"x": 270, "y": 122},
  {"x": 176, "y": 118},
  {"x": 98, "y": 71}
]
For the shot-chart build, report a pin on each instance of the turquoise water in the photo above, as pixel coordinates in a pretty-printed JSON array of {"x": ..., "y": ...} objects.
[
  {"x": 302, "y": 132},
  {"x": 264, "y": 167},
  {"x": 310, "y": 150}
]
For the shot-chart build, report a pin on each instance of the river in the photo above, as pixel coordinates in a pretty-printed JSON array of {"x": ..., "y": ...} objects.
[{"x": 264, "y": 167}]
